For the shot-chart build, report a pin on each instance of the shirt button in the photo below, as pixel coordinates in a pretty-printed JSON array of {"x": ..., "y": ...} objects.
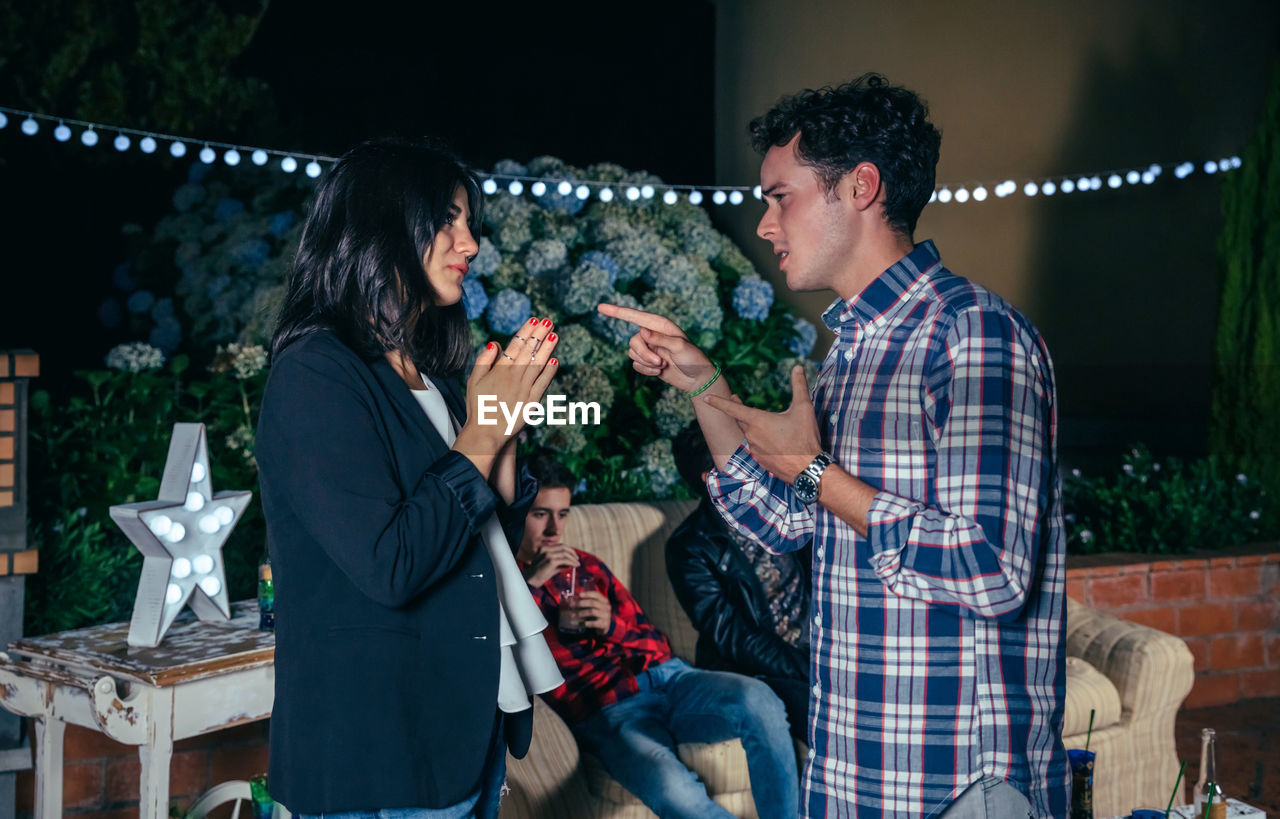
[
  {"x": 834, "y": 417},
  {"x": 817, "y": 619},
  {"x": 821, "y": 552},
  {"x": 848, "y": 354},
  {"x": 812, "y": 753},
  {"x": 817, "y": 690}
]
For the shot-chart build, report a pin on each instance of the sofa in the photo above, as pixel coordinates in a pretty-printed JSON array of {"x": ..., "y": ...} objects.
[{"x": 1134, "y": 678}]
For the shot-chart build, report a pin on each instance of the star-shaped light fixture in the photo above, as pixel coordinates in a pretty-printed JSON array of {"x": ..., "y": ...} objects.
[{"x": 180, "y": 536}]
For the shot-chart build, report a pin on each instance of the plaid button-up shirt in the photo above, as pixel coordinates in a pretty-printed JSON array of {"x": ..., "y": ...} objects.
[{"x": 938, "y": 638}]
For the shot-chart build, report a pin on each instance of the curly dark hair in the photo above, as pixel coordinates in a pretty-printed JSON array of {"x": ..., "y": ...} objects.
[
  {"x": 866, "y": 120},
  {"x": 549, "y": 472}
]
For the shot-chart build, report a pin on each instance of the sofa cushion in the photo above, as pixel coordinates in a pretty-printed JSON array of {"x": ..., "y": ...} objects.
[{"x": 1088, "y": 688}]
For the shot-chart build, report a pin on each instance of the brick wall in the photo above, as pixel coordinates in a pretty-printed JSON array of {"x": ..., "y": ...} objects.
[
  {"x": 1227, "y": 609},
  {"x": 100, "y": 776}
]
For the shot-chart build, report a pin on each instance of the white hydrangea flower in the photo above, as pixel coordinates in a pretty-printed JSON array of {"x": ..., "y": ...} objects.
[{"x": 135, "y": 357}]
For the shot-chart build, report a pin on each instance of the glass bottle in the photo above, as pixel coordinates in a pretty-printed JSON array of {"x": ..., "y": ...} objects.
[
  {"x": 266, "y": 596},
  {"x": 1207, "y": 789}
]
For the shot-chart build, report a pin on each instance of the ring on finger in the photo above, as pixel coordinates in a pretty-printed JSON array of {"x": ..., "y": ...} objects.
[{"x": 507, "y": 357}]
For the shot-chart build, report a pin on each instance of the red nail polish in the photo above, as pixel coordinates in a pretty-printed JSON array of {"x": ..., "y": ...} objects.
[
  {"x": 489, "y": 346},
  {"x": 533, "y": 321},
  {"x": 554, "y": 362},
  {"x": 546, "y": 322},
  {"x": 551, "y": 337}
]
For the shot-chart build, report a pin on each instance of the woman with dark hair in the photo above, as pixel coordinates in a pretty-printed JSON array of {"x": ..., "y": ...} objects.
[{"x": 399, "y": 645}]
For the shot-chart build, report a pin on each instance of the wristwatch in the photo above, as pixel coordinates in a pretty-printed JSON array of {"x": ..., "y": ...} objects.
[{"x": 808, "y": 482}]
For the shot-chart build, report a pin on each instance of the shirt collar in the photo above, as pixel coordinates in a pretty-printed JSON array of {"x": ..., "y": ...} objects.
[{"x": 881, "y": 299}]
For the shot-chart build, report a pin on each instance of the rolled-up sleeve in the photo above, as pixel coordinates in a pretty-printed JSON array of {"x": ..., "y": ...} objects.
[{"x": 759, "y": 505}]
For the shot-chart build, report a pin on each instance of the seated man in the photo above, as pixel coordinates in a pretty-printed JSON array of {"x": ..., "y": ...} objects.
[
  {"x": 626, "y": 699},
  {"x": 749, "y": 606}
]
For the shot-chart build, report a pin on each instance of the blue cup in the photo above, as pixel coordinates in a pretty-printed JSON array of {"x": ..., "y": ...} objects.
[
  {"x": 1081, "y": 783},
  {"x": 1147, "y": 813}
]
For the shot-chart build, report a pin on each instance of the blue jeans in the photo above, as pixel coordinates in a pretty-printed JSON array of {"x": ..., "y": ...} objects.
[
  {"x": 989, "y": 798},
  {"x": 483, "y": 804},
  {"x": 636, "y": 739}
]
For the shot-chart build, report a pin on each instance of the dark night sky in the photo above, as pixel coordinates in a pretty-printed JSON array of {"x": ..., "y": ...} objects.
[{"x": 493, "y": 80}]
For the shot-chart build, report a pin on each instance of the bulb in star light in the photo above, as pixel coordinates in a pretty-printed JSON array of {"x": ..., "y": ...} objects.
[
  {"x": 288, "y": 164},
  {"x": 962, "y": 195},
  {"x": 147, "y": 145},
  {"x": 516, "y": 187},
  {"x": 3, "y": 120},
  {"x": 979, "y": 194},
  {"x": 1067, "y": 186},
  {"x": 181, "y": 568},
  {"x": 121, "y": 142},
  {"x": 633, "y": 193},
  {"x": 647, "y": 191},
  {"x": 203, "y": 564},
  {"x": 564, "y": 188},
  {"x": 757, "y": 193},
  {"x": 30, "y": 126},
  {"x": 89, "y": 138},
  {"x": 177, "y": 149},
  {"x": 1114, "y": 181},
  {"x": 195, "y": 502},
  {"x": 198, "y": 472},
  {"x": 1048, "y": 188},
  {"x": 735, "y": 197},
  {"x": 176, "y": 533},
  {"x": 490, "y": 187},
  {"x": 208, "y": 156},
  {"x": 313, "y": 169},
  {"x": 210, "y": 586},
  {"x": 606, "y": 195},
  {"x": 695, "y": 197},
  {"x": 1148, "y": 178},
  {"x": 208, "y": 524},
  {"x": 160, "y": 525},
  {"x": 1133, "y": 177},
  {"x": 582, "y": 192},
  {"x": 718, "y": 197},
  {"x": 62, "y": 133},
  {"x": 538, "y": 188},
  {"x": 670, "y": 197},
  {"x": 224, "y": 515},
  {"x": 259, "y": 156},
  {"x": 231, "y": 157},
  {"x": 172, "y": 594}
]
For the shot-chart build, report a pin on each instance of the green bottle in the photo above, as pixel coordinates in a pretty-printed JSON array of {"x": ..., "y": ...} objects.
[{"x": 266, "y": 596}]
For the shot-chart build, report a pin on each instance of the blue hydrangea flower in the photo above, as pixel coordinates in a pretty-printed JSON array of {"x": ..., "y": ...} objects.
[
  {"x": 544, "y": 256},
  {"x": 226, "y": 208},
  {"x": 507, "y": 311},
  {"x": 474, "y": 299},
  {"x": 282, "y": 223},
  {"x": 806, "y": 336},
  {"x": 585, "y": 287},
  {"x": 251, "y": 253},
  {"x": 601, "y": 259},
  {"x": 486, "y": 260},
  {"x": 698, "y": 239},
  {"x": 673, "y": 274},
  {"x": 141, "y": 301},
  {"x": 752, "y": 299},
  {"x": 616, "y": 331}
]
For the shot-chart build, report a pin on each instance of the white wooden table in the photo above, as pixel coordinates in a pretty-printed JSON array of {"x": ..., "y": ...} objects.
[{"x": 203, "y": 677}]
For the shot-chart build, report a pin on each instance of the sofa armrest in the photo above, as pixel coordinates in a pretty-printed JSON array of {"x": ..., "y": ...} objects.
[{"x": 1151, "y": 670}]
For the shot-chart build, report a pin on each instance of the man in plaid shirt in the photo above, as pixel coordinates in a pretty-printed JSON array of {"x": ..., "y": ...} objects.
[
  {"x": 922, "y": 468},
  {"x": 626, "y": 699}
]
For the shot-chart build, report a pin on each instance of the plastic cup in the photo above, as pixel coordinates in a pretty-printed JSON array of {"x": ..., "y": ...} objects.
[{"x": 1081, "y": 783}]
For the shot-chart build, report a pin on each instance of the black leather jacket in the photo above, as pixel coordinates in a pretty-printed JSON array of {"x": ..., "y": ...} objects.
[{"x": 718, "y": 588}]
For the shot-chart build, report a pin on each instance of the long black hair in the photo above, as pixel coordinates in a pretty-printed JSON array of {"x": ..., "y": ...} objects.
[{"x": 359, "y": 269}]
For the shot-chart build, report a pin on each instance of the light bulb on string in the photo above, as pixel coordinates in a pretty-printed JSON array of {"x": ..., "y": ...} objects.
[
  {"x": 647, "y": 191},
  {"x": 944, "y": 195},
  {"x": 1030, "y": 189},
  {"x": 1183, "y": 170},
  {"x": 1048, "y": 188},
  {"x": 259, "y": 157},
  {"x": 564, "y": 188},
  {"x": 933, "y": 197},
  {"x": 121, "y": 142},
  {"x": 1211, "y": 167},
  {"x": 489, "y": 186},
  {"x": 515, "y": 188},
  {"x": 288, "y": 164},
  {"x": 756, "y": 192},
  {"x": 147, "y": 145},
  {"x": 979, "y": 194},
  {"x": 695, "y": 197},
  {"x": 89, "y": 138},
  {"x": 735, "y": 197},
  {"x": 4, "y": 120},
  {"x": 670, "y": 197},
  {"x": 177, "y": 150},
  {"x": 538, "y": 188},
  {"x": 231, "y": 157},
  {"x": 1067, "y": 186},
  {"x": 633, "y": 193},
  {"x": 1114, "y": 181},
  {"x": 1133, "y": 177},
  {"x": 582, "y": 192},
  {"x": 30, "y": 126},
  {"x": 313, "y": 169},
  {"x": 962, "y": 195},
  {"x": 1148, "y": 178},
  {"x": 62, "y": 133},
  {"x": 719, "y": 197},
  {"x": 1235, "y": 162},
  {"x": 208, "y": 156},
  {"x": 606, "y": 195},
  {"x": 1096, "y": 183}
]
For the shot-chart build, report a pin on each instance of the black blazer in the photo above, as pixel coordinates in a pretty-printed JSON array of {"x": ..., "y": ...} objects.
[{"x": 387, "y": 641}]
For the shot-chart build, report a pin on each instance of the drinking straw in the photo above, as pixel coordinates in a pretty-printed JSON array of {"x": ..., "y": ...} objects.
[
  {"x": 1089, "y": 735},
  {"x": 1208, "y": 798},
  {"x": 1176, "y": 783}
]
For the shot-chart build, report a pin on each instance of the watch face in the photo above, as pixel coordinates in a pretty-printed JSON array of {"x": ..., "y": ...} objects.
[{"x": 806, "y": 488}]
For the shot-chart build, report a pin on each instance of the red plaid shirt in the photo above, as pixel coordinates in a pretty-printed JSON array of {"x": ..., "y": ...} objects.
[{"x": 600, "y": 670}]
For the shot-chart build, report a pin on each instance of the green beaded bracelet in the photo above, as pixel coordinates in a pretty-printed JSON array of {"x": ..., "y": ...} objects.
[{"x": 710, "y": 381}]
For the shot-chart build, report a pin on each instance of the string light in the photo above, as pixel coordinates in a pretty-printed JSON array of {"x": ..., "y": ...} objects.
[{"x": 945, "y": 193}]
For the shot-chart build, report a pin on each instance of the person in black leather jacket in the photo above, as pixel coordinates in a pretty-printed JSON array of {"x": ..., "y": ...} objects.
[{"x": 750, "y": 607}]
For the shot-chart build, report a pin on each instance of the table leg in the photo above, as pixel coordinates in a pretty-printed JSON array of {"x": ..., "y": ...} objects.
[
  {"x": 155, "y": 757},
  {"x": 49, "y": 734}
]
